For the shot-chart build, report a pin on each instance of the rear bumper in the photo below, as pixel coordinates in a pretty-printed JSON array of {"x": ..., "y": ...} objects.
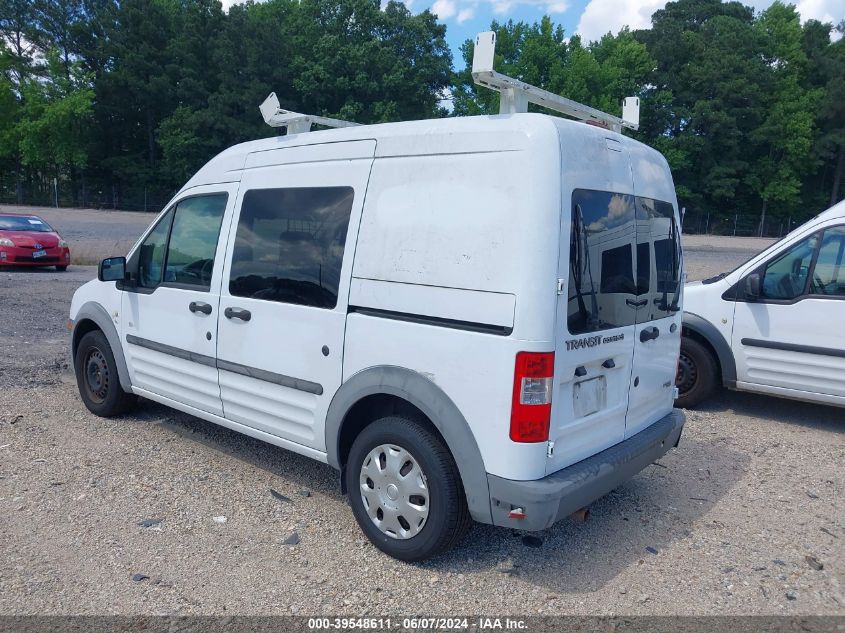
[{"x": 558, "y": 495}]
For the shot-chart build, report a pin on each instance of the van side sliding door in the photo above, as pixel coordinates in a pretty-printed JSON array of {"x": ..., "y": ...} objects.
[{"x": 286, "y": 286}]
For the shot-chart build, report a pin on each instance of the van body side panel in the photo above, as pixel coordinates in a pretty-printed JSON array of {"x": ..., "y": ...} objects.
[
  {"x": 482, "y": 222},
  {"x": 457, "y": 306},
  {"x": 474, "y": 370},
  {"x": 468, "y": 238}
]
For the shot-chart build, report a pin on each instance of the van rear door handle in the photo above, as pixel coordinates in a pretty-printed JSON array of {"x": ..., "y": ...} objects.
[
  {"x": 649, "y": 334},
  {"x": 237, "y": 313},
  {"x": 636, "y": 304},
  {"x": 199, "y": 306}
]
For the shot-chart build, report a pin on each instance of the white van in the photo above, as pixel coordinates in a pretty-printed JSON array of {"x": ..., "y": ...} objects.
[
  {"x": 470, "y": 318},
  {"x": 775, "y": 324}
]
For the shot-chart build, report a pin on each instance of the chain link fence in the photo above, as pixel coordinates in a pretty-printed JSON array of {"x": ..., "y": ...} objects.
[
  {"x": 743, "y": 225},
  {"x": 60, "y": 194}
]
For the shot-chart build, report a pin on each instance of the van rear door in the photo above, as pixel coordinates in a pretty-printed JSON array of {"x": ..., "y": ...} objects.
[
  {"x": 596, "y": 308},
  {"x": 659, "y": 262}
]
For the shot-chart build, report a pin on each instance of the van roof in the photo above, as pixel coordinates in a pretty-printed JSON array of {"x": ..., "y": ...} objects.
[
  {"x": 453, "y": 135},
  {"x": 836, "y": 211}
]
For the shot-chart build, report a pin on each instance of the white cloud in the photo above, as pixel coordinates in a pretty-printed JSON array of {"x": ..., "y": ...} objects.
[
  {"x": 500, "y": 7},
  {"x": 465, "y": 14},
  {"x": 602, "y": 16},
  {"x": 822, "y": 10},
  {"x": 557, "y": 6},
  {"x": 444, "y": 9}
]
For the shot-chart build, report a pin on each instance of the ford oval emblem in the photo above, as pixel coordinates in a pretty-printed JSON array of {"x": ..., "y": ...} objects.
[{"x": 38, "y": 246}]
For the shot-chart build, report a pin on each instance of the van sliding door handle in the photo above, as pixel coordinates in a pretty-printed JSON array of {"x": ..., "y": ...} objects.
[
  {"x": 237, "y": 313},
  {"x": 636, "y": 304},
  {"x": 649, "y": 334},
  {"x": 199, "y": 306}
]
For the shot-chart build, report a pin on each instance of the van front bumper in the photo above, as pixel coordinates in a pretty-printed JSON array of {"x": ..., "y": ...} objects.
[{"x": 545, "y": 501}]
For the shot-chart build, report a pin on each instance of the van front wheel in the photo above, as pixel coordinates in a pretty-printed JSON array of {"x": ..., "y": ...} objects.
[
  {"x": 97, "y": 379},
  {"x": 405, "y": 490},
  {"x": 697, "y": 373}
]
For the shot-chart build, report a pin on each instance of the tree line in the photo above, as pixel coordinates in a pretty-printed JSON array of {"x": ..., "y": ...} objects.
[{"x": 116, "y": 103}]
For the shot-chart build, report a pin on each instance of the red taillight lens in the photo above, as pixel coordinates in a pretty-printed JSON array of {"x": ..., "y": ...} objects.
[{"x": 531, "y": 408}]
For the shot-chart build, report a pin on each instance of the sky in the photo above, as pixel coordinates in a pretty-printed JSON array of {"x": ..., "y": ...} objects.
[{"x": 589, "y": 18}]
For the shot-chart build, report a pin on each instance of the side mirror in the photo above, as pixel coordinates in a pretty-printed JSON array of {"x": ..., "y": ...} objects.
[
  {"x": 752, "y": 287},
  {"x": 112, "y": 269}
]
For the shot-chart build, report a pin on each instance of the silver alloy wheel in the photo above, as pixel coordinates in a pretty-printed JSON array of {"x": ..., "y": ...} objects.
[{"x": 394, "y": 490}]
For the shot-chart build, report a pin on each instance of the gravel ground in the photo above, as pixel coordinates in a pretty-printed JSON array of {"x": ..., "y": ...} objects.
[{"x": 745, "y": 517}]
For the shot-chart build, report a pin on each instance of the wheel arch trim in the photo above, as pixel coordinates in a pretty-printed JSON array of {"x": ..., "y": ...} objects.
[
  {"x": 724, "y": 354},
  {"x": 426, "y": 396},
  {"x": 94, "y": 312}
]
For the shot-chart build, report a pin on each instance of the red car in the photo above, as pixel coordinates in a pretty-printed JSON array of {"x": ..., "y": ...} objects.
[{"x": 27, "y": 240}]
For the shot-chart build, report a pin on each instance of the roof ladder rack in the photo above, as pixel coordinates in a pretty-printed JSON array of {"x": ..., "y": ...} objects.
[
  {"x": 516, "y": 94},
  {"x": 296, "y": 123}
]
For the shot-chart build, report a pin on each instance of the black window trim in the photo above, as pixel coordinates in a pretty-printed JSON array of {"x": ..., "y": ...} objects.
[
  {"x": 734, "y": 293},
  {"x": 171, "y": 284}
]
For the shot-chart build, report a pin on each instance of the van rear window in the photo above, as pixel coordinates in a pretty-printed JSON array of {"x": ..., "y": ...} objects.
[
  {"x": 289, "y": 245},
  {"x": 624, "y": 261}
]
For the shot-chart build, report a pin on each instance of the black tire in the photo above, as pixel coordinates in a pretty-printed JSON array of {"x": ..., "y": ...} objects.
[
  {"x": 97, "y": 379},
  {"x": 61, "y": 269},
  {"x": 697, "y": 373},
  {"x": 448, "y": 517}
]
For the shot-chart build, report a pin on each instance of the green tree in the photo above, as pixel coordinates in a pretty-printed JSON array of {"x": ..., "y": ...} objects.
[
  {"x": 55, "y": 118},
  {"x": 708, "y": 95},
  {"x": 783, "y": 140}
]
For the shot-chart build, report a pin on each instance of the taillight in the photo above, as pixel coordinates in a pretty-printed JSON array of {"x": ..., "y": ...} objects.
[{"x": 531, "y": 408}]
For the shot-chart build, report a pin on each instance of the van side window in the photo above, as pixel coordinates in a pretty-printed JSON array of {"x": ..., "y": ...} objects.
[
  {"x": 289, "y": 245},
  {"x": 786, "y": 276},
  {"x": 829, "y": 270},
  {"x": 193, "y": 240},
  {"x": 151, "y": 253},
  {"x": 601, "y": 266}
]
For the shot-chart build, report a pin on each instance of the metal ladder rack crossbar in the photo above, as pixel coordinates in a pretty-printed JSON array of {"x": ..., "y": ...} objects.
[
  {"x": 295, "y": 122},
  {"x": 515, "y": 95}
]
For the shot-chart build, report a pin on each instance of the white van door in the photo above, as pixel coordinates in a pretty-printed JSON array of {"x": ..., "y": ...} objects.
[
  {"x": 657, "y": 340},
  {"x": 169, "y": 323},
  {"x": 596, "y": 320},
  {"x": 286, "y": 285},
  {"x": 790, "y": 341}
]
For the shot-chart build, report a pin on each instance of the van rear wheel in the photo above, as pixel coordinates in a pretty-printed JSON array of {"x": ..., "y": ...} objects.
[
  {"x": 696, "y": 375},
  {"x": 405, "y": 490}
]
